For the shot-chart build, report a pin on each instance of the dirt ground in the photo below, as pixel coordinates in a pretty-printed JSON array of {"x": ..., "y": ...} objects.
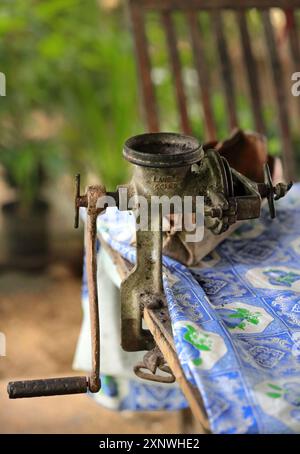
[{"x": 41, "y": 316}]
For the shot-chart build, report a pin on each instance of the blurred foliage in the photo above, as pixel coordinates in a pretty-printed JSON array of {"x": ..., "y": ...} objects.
[
  {"x": 68, "y": 58},
  {"x": 28, "y": 166},
  {"x": 72, "y": 61}
]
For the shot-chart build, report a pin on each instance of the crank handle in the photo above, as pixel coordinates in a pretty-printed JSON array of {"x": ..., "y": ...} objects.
[
  {"x": 75, "y": 385},
  {"x": 48, "y": 387}
]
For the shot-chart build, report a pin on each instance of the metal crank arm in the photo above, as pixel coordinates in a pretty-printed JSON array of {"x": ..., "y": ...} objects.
[{"x": 75, "y": 385}]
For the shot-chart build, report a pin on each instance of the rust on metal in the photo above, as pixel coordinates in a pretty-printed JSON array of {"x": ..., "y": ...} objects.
[
  {"x": 47, "y": 387},
  {"x": 152, "y": 361},
  {"x": 158, "y": 321},
  {"x": 163, "y": 167},
  {"x": 159, "y": 324},
  {"x": 93, "y": 194},
  {"x": 271, "y": 192},
  {"x": 75, "y": 385},
  {"x": 165, "y": 164}
]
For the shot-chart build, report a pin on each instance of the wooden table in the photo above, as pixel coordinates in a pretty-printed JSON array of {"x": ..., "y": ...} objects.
[{"x": 158, "y": 322}]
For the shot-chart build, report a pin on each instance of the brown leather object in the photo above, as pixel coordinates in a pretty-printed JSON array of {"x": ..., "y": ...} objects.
[{"x": 246, "y": 152}]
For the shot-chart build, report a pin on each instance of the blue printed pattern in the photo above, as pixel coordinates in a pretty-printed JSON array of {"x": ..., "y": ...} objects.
[
  {"x": 135, "y": 395},
  {"x": 236, "y": 320}
]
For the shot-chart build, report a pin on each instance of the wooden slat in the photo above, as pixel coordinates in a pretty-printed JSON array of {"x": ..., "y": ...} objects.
[
  {"x": 278, "y": 80},
  {"x": 226, "y": 68},
  {"x": 164, "y": 340},
  {"x": 162, "y": 333},
  {"x": 294, "y": 42},
  {"x": 250, "y": 64},
  {"x": 176, "y": 71},
  {"x": 214, "y": 4},
  {"x": 293, "y": 38},
  {"x": 203, "y": 77},
  {"x": 149, "y": 104}
]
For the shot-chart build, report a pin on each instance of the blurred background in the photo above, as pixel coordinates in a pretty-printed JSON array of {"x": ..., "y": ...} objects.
[{"x": 72, "y": 99}]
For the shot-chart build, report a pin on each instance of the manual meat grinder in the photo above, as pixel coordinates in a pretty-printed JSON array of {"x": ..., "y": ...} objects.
[{"x": 164, "y": 164}]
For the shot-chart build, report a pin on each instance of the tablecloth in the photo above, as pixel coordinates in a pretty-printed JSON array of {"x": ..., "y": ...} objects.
[{"x": 236, "y": 321}]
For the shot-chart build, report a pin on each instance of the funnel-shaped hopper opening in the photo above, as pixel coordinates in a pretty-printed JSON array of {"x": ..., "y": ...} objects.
[{"x": 162, "y": 149}]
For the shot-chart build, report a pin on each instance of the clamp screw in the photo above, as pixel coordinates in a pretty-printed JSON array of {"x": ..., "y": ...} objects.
[
  {"x": 77, "y": 200},
  {"x": 274, "y": 192},
  {"x": 80, "y": 200}
]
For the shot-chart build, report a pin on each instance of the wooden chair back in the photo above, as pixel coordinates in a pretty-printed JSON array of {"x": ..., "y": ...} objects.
[{"x": 279, "y": 85}]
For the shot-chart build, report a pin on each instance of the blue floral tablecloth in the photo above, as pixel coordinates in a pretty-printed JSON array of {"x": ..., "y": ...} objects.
[{"x": 236, "y": 321}]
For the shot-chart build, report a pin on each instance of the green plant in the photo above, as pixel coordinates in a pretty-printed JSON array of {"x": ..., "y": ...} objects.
[
  {"x": 72, "y": 60},
  {"x": 27, "y": 167}
]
